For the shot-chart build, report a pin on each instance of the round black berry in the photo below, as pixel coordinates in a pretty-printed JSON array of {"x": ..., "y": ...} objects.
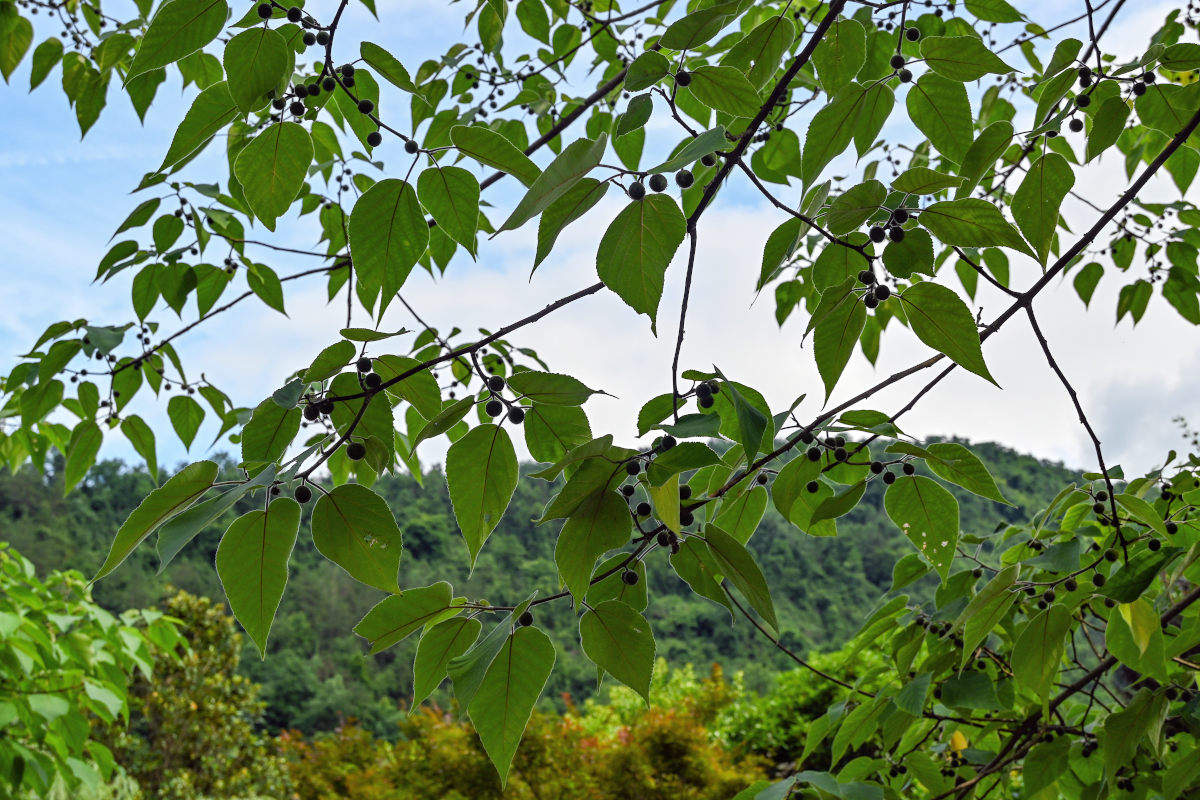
[
  {"x": 366, "y": 106},
  {"x": 685, "y": 492},
  {"x": 813, "y": 487},
  {"x": 494, "y": 408},
  {"x": 516, "y": 415},
  {"x": 667, "y": 443},
  {"x": 364, "y": 364},
  {"x": 628, "y": 490},
  {"x": 876, "y": 467},
  {"x": 683, "y": 78},
  {"x": 889, "y": 478},
  {"x": 1154, "y": 545},
  {"x": 355, "y": 451},
  {"x": 374, "y": 138},
  {"x": 637, "y": 190},
  {"x": 658, "y": 183},
  {"x": 526, "y": 619},
  {"x": 328, "y": 84},
  {"x": 322, "y": 38},
  {"x": 912, "y": 34},
  {"x": 1083, "y": 101},
  {"x": 1139, "y": 88},
  {"x": 264, "y": 10},
  {"x": 643, "y": 509},
  {"x": 866, "y": 276},
  {"x": 297, "y": 108},
  {"x": 684, "y": 179},
  {"x": 1075, "y": 125},
  {"x": 900, "y": 215},
  {"x": 877, "y": 233},
  {"x": 814, "y": 453},
  {"x": 311, "y": 412},
  {"x": 705, "y": 401},
  {"x": 309, "y": 39},
  {"x": 294, "y": 14},
  {"x": 1172, "y": 528},
  {"x": 686, "y": 518},
  {"x": 633, "y": 467},
  {"x": 411, "y": 147},
  {"x": 897, "y": 61},
  {"x": 664, "y": 539},
  {"x": 1070, "y": 585},
  {"x": 762, "y": 479},
  {"x": 708, "y": 160},
  {"x": 905, "y": 76},
  {"x": 629, "y": 577},
  {"x": 279, "y": 104},
  {"x": 840, "y": 454},
  {"x": 882, "y": 293},
  {"x": 869, "y": 301},
  {"x": 909, "y": 468},
  {"x": 303, "y": 494},
  {"x": 372, "y": 380},
  {"x": 896, "y": 233}
]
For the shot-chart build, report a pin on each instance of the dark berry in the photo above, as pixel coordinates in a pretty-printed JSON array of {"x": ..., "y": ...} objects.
[
  {"x": 311, "y": 412},
  {"x": 912, "y": 34},
  {"x": 264, "y": 10},
  {"x": 1139, "y": 88},
  {"x": 814, "y": 453},
  {"x": 889, "y": 478},
  {"x": 716, "y": 387},
  {"x": 322, "y": 38},
  {"x": 314, "y": 89},
  {"x": 297, "y": 108},
  {"x": 840, "y": 454},
  {"x": 685, "y": 492},
  {"x": 526, "y": 619},
  {"x": 411, "y": 147},
  {"x": 366, "y": 106},
  {"x": 347, "y": 82},
  {"x": 877, "y": 233},
  {"x": 279, "y": 104},
  {"x": 869, "y": 301},
  {"x": 882, "y": 293},
  {"x": 667, "y": 443},
  {"x": 329, "y": 84},
  {"x": 866, "y": 276},
  {"x": 643, "y": 509},
  {"x": 309, "y": 39},
  {"x": 706, "y": 402},
  {"x": 1048, "y": 596},
  {"x": 355, "y": 451},
  {"x": 905, "y": 76},
  {"x": 633, "y": 467},
  {"x": 1075, "y": 125},
  {"x": 1098, "y": 508},
  {"x": 684, "y": 179},
  {"x": 494, "y": 408},
  {"x": 896, "y": 233},
  {"x": 326, "y": 407},
  {"x": 294, "y": 14},
  {"x": 303, "y": 494},
  {"x": 374, "y": 138},
  {"x": 629, "y": 577},
  {"x": 637, "y": 190},
  {"x": 683, "y": 78},
  {"x": 1101, "y": 496},
  {"x": 1070, "y": 585},
  {"x": 658, "y": 183},
  {"x": 1085, "y": 72},
  {"x": 686, "y": 518},
  {"x": 372, "y": 380},
  {"x": 762, "y": 479},
  {"x": 364, "y": 364},
  {"x": 274, "y": 491},
  {"x": 516, "y": 415},
  {"x": 1172, "y": 528},
  {"x": 1149, "y": 77},
  {"x": 664, "y": 539},
  {"x": 876, "y": 467},
  {"x": 1083, "y": 101},
  {"x": 813, "y": 487},
  {"x": 1154, "y": 545},
  {"x": 977, "y": 572},
  {"x": 628, "y": 490},
  {"x": 909, "y": 468},
  {"x": 897, "y": 61},
  {"x": 708, "y": 160},
  {"x": 900, "y": 215},
  {"x": 1110, "y": 555}
]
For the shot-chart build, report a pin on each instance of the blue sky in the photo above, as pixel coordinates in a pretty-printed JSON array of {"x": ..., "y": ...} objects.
[{"x": 63, "y": 199}]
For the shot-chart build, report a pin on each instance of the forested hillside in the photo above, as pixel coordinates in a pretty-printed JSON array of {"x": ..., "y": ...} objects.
[{"x": 316, "y": 673}]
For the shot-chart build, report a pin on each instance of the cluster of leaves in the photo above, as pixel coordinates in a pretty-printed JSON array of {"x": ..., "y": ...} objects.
[
  {"x": 66, "y": 669},
  {"x": 617, "y": 750},
  {"x": 733, "y": 79}
]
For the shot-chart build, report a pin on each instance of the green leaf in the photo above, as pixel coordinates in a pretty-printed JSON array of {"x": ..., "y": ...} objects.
[
  {"x": 599, "y": 524},
  {"x": 696, "y": 567},
  {"x": 697, "y": 27},
  {"x": 388, "y": 68},
  {"x": 481, "y": 472},
  {"x": 637, "y": 247},
  {"x": 734, "y": 561},
  {"x": 1035, "y": 206},
  {"x": 840, "y": 54},
  {"x": 451, "y": 196},
  {"x": 955, "y": 463},
  {"x": 257, "y": 63},
  {"x": 1143, "y": 512},
  {"x": 758, "y": 53},
  {"x": 708, "y": 142},
  {"x": 1108, "y": 123},
  {"x": 182, "y": 528},
  {"x": 388, "y": 235},
  {"x": 940, "y": 319},
  {"x": 982, "y": 155},
  {"x": 928, "y": 515},
  {"x": 468, "y": 670},
  {"x": 551, "y": 431},
  {"x": 1128, "y": 583},
  {"x": 330, "y": 361},
  {"x": 972, "y": 222},
  {"x": 501, "y": 708},
  {"x": 840, "y": 317},
  {"x": 353, "y": 527},
  {"x": 550, "y": 388},
  {"x": 961, "y": 58},
  {"x": 940, "y": 109},
  {"x": 211, "y": 111},
  {"x": 856, "y": 205},
  {"x": 665, "y": 500},
  {"x": 614, "y": 588},
  {"x": 1039, "y": 649},
  {"x": 488, "y": 147},
  {"x": 577, "y": 201},
  {"x": 646, "y": 70},
  {"x": 438, "y": 645},
  {"x": 252, "y": 563},
  {"x": 85, "y": 443},
  {"x": 985, "y": 611},
  {"x": 619, "y": 641},
  {"x": 269, "y": 432},
  {"x": 14, "y": 44},
  {"x": 185, "y": 415},
  {"x": 178, "y": 29},
  {"x": 447, "y": 419},
  {"x": 725, "y": 89},
  {"x": 396, "y": 617},
  {"x": 576, "y": 160},
  {"x": 914, "y": 253},
  {"x": 45, "y": 56},
  {"x": 993, "y": 10},
  {"x": 177, "y": 494},
  {"x": 272, "y": 169},
  {"x": 922, "y": 180},
  {"x": 141, "y": 436}
]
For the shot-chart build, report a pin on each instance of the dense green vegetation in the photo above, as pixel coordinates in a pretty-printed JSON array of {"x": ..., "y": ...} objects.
[{"x": 316, "y": 674}]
